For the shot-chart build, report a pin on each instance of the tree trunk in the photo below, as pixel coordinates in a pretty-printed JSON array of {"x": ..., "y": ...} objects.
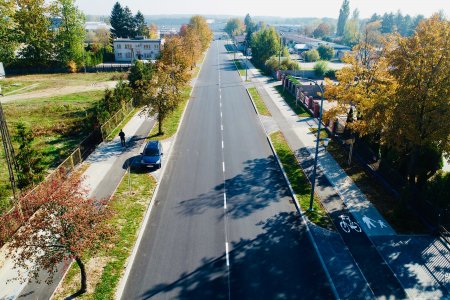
[
  {"x": 160, "y": 124},
  {"x": 83, "y": 276}
]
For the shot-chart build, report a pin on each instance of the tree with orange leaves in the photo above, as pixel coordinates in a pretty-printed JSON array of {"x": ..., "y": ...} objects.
[{"x": 66, "y": 225}]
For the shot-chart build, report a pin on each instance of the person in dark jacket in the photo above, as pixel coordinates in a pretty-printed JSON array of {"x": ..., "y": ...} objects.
[{"x": 122, "y": 138}]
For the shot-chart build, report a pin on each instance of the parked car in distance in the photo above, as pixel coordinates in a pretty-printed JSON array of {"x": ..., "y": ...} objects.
[{"x": 152, "y": 154}]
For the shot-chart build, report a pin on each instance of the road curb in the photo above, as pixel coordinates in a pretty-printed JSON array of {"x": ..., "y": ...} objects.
[
  {"x": 129, "y": 264},
  {"x": 297, "y": 205}
]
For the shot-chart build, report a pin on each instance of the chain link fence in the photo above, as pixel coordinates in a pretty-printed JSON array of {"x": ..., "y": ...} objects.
[{"x": 114, "y": 121}]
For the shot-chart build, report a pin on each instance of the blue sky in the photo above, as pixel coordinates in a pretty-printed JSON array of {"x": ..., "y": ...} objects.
[{"x": 284, "y": 8}]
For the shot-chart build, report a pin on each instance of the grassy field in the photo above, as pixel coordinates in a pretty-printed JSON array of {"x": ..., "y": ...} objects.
[
  {"x": 299, "y": 109},
  {"x": 262, "y": 109},
  {"x": 28, "y": 83},
  {"x": 58, "y": 124},
  {"x": 106, "y": 265},
  {"x": 299, "y": 182}
]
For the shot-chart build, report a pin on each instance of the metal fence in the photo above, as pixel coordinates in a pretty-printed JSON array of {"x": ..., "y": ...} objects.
[{"x": 115, "y": 120}]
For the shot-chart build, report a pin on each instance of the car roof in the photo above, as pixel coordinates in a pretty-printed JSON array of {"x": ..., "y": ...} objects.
[{"x": 152, "y": 144}]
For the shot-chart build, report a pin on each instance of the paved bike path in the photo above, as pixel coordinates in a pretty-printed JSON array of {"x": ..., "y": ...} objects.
[{"x": 379, "y": 276}]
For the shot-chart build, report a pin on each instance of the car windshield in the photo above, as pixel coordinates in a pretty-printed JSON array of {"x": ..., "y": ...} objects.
[{"x": 151, "y": 152}]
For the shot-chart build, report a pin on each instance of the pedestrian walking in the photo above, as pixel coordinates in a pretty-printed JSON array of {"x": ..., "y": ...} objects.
[{"x": 122, "y": 138}]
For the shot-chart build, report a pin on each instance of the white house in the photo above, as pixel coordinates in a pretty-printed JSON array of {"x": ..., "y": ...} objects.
[{"x": 127, "y": 50}]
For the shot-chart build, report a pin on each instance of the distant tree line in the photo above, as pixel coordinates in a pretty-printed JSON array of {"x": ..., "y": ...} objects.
[{"x": 125, "y": 25}]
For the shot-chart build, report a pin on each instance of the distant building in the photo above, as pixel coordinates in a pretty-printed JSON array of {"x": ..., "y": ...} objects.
[
  {"x": 302, "y": 43},
  {"x": 93, "y": 26},
  {"x": 127, "y": 50}
]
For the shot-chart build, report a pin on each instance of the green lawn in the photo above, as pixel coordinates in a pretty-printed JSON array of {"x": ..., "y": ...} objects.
[
  {"x": 59, "y": 124},
  {"x": 299, "y": 182},
  {"x": 130, "y": 210},
  {"x": 290, "y": 100},
  {"x": 262, "y": 109}
]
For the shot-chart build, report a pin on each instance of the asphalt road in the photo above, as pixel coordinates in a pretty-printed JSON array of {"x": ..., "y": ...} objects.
[{"x": 223, "y": 225}]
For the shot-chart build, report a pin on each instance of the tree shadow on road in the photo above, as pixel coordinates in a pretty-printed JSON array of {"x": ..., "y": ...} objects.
[
  {"x": 279, "y": 263},
  {"x": 258, "y": 185}
]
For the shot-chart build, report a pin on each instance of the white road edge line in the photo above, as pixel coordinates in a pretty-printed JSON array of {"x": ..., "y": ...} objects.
[
  {"x": 224, "y": 200},
  {"x": 226, "y": 254}
]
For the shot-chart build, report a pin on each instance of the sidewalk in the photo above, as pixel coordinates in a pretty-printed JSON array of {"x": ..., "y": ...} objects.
[
  {"x": 367, "y": 262},
  {"x": 107, "y": 165}
]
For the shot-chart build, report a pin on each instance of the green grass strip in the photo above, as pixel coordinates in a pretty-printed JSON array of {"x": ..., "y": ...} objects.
[
  {"x": 290, "y": 100},
  {"x": 299, "y": 182},
  {"x": 239, "y": 67},
  {"x": 130, "y": 210},
  {"x": 262, "y": 109}
]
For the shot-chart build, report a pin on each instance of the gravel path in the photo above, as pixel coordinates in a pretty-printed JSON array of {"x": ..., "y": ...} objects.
[{"x": 51, "y": 92}]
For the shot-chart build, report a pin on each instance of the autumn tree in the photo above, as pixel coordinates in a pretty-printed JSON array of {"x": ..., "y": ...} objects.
[
  {"x": 402, "y": 95},
  {"x": 33, "y": 29},
  {"x": 29, "y": 160},
  {"x": 322, "y": 30},
  {"x": 153, "y": 31},
  {"x": 163, "y": 92},
  {"x": 366, "y": 85},
  {"x": 71, "y": 34},
  {"x": 202, "y": 30},
  {"x": 234, "y": 27},
  {"x": 421, "y": 106},
  {"x": 67, "y": 225},
  {"x": 192, "y": 46}
]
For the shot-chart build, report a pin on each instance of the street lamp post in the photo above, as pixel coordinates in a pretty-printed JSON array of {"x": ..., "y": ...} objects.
[
  {"x": 313, "y": 183},
  {"x": 279, "y": 53}
]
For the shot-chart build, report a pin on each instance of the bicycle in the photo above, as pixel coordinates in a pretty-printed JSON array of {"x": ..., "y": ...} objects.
[{"x": 347, "y": 225}]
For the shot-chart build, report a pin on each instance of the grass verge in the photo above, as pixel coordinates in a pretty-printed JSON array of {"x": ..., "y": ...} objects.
[
  {"x": 262, "y": 109},
  {"x": 105, "y": 266},
  {"x": 299, "y": 182},
  {"x": 239, "y": 67},
  {"x": 298, "y": 109},
  {"x": 400, "y": 218}
]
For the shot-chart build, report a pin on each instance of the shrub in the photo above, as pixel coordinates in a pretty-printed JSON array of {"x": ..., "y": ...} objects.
[
  {"x": 330, "y": 73},
  {"x": 320, "y": 68},
  {"x": 72, "y": 66},
  {"x": 326, "y": 52},
  {"x": 286, "y": 64},
  {"x": 311, "y": 55}
]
